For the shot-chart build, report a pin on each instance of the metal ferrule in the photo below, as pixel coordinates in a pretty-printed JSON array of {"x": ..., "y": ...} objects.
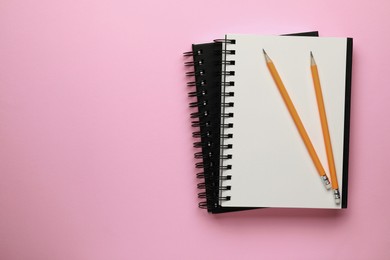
[
  {"x": 336, "y": 194},
  {"x": 325, "y": 181}
]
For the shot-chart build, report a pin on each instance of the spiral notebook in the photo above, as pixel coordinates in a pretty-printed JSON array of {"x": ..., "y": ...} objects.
[
  {"x": 264, "y": 162},
  {"x": 207, "y": 95}
]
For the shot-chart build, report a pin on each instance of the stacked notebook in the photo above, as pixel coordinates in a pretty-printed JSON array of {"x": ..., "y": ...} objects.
[{"x": 254, "y": 150}]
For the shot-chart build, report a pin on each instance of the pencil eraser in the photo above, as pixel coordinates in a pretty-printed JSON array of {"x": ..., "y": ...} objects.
[
  {"x": 328, "y": 186},
  {"x": 337, "y": 201}
]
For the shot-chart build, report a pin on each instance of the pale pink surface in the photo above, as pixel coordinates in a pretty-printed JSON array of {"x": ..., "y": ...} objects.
[{"x": 96, "y": 157}]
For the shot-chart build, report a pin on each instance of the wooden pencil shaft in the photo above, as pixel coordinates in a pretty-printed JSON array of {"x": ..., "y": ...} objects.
[{"x": 324, "y": 124}]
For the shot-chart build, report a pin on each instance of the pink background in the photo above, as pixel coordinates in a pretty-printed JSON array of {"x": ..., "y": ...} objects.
[{"x": 96, "y": 157}]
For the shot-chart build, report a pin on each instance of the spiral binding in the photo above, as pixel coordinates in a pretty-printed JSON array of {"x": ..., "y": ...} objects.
[
  {"x": 226, "y": 103},
  {"x": 205, "y": 134},
  {"x": 209, "y": 177}
]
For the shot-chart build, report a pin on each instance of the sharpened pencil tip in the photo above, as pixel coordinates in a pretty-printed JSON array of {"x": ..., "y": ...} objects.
[
  {"x": 267, "y": 58},
  {"x": 312, "y": 61}
]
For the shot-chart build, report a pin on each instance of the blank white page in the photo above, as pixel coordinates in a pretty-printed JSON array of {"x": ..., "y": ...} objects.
[{"x": 270, "y": 164}]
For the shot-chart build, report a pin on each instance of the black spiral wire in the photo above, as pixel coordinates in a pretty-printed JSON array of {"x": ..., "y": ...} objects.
[
  {"x": 203, "y": 127},
  {"x": 226, "y": 102},
  {"x": 208, "y": 128}
]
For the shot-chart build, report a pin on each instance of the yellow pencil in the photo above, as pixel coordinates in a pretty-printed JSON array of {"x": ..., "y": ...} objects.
[
  {"x": 297, "y": 120},
  {"x": 325, "y": 128}
]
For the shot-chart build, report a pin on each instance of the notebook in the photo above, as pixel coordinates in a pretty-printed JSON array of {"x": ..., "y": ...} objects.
[
  {"x": 265, "y": 162},
  {"x": 205, "y": 83}
]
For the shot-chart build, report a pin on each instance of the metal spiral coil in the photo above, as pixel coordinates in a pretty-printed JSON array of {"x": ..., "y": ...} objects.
[
  {"x": 227, "y": 94},
  {"x": 195, "y": 73},
  {"x": 227, "y": 84},
  {"x": 200, "y": 155},
  {"x": 228, "y": 41},
  {"x": 196, "y": 84},
  {"x": 228, "y": 62},
  {"x": 228, "y": 73},
  {"x": 209, "y": 178},
  {"x": 226, "y": 136},
  {"x": 229, "y": 125},
  {"x": 198, "y": 103},
  {"x": 199, "y": 134},
  {"x": 226, "y": 103},
  {"x": 222, "y": 52},
  {"x": 197, "y": 93},
  {"x": 200, "y": 124},
  {"x": 199, "y": 114},
  {"x": 203, "y": 125}
]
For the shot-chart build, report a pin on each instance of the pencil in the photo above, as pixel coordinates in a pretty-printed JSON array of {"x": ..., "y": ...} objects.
[
  {"x": 325, "y": 128},
  {"x": 297, "y": 120}
]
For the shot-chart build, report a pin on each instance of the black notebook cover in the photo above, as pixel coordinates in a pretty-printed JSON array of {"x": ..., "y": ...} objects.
[{"x": 348, "y": 82}]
